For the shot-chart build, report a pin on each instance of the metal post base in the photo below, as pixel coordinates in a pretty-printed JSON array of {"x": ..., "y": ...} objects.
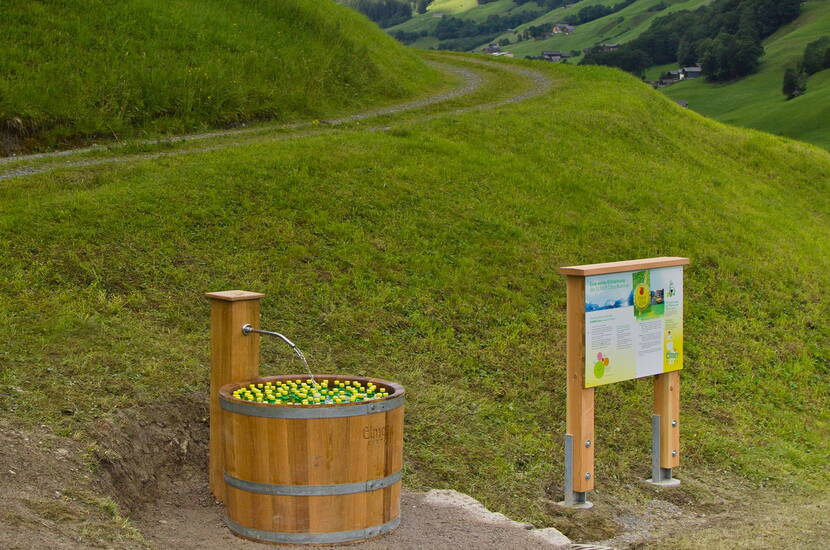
[
  {"x": 573, "y": 499},
  {"x": 661, "y": 477},
  {"x": 576, "y": 500}
]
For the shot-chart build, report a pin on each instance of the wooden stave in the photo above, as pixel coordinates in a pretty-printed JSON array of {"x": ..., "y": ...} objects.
[{"x": 361, "y": 512}]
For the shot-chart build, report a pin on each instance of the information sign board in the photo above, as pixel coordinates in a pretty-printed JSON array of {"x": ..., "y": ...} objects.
[{"x": 633, "y": 324}]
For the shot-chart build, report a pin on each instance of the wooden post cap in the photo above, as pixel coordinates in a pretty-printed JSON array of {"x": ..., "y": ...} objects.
[{"x": 234, "y": 295}]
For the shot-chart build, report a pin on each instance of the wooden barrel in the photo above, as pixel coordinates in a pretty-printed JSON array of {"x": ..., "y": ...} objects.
[{"x": 313, "y": 474}]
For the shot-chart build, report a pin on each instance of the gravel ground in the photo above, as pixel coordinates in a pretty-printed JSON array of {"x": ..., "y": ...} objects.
[
  {"x": 138, "y": 481},
  {"x": 434, "y": 520}
]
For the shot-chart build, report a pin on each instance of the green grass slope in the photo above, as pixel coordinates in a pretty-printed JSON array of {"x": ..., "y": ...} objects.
[
  {"x": 73, "y": 71},
  {"x": 463, "y": 9},
  {"x": 623, "y": 26},
  {"x": 757, "y": 102},
  {"x": 428, "y": 254}
]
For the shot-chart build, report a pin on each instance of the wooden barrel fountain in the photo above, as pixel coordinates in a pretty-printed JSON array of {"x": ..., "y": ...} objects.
[{"x": 312, "y": 474}]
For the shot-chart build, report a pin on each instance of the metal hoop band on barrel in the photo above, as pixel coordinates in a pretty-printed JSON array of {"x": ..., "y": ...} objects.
[
  {"x": 313, "y": 490},
  {"x": 337, "y": 411},
  {"x": 312, "y": 538}
]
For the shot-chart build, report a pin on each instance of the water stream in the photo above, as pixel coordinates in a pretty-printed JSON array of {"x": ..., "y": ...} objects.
[{"x": 299, "y": 353}]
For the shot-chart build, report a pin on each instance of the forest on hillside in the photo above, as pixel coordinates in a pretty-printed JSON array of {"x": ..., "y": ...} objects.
[
  {"x": 725, "y": 38},
  {"x": 457, "y": 33},
  {"x": 387, "y": 13}
]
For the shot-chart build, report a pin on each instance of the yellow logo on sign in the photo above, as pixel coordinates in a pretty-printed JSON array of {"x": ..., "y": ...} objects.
[{"x": 642, "y": 296}]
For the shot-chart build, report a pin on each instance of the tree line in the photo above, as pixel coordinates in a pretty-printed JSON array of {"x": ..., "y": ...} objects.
[
  {"x": 454, "y": 27},
  {"x": 589, "y": 13},
  {"x": 387, "y": 13},
  {"x": 816, "y": 58},
  {"x": 548, "y": 4},
  {"x": 723, "y": 37},
  {"x": 464, "y": 34}
]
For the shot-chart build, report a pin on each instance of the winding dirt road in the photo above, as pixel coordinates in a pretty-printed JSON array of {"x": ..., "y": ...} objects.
[{"x": 471, "y": 81}]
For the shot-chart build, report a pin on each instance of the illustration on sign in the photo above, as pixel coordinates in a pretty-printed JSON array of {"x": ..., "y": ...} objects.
[{"x": 633, "y": 324}]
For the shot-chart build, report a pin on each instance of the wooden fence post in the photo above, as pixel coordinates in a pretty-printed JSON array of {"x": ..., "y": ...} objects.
[
  {"x": 234, "y": 358},
  {"x": 580, "y": 420},
  {"x": 666, "y": 430}
]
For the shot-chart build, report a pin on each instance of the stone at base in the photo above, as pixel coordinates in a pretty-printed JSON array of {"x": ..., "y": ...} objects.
[
  {"x": 552, "y": 537},
  {"x": 549, "y": 538},
  {"x": 587, "y": 505},
  {"x": 673, "y": 482}
]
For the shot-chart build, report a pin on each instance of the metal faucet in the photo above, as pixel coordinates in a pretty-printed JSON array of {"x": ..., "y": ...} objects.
[{"x": 248, "y": 329}]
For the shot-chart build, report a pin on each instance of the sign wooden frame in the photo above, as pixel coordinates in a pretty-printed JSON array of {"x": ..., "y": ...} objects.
[{"x": 579, "y": 438}]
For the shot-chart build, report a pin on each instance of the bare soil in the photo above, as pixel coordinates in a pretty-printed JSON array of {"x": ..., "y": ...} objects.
[
  {"x": 142, "y": 483},
  {"x": 138, "y": 480}
]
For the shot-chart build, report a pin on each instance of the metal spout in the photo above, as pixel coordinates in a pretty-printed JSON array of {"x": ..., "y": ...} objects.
[{"x": 248, "y": 329}]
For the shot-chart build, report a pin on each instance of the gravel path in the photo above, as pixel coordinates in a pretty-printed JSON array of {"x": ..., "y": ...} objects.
[
  {"x": 471, "y": 82},
  {"x": 539, "y": 84},
  {"x": 437, "y": 520}
]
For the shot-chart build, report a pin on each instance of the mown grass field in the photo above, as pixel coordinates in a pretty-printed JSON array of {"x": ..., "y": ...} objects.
[
  {"x": 757, "y": 102},
  {"x": 427, "y": 254},
  {"x": 73, "y": 72}
]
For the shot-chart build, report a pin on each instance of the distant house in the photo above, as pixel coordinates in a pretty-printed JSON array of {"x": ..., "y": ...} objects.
[
  {"x": 439, "y": 15},
  {"x": 682, "y": 103},
  {"x": 555, "y": 56},
  {"x": 562, "y": 28},
  {"x": 608, "y": 47},
  {"x": 492, "y": 48},
  {"x": 691, "y": 72},
  {"x": 682, "y": 73},
  {"x": 502, "y": 54}
]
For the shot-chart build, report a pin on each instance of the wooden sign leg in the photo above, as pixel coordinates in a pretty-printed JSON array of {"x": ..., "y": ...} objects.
[
  {"x": 665, "y": 452},
  {"x": 579, "y": 439},
  {"x": 234, "y": 358}
]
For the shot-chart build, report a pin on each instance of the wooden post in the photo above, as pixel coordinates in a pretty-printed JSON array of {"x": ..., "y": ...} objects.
[
  {"x": 234, "y": 358},
  {"x": 667, "y": 406},
  {"x": 580, "y": 421}
]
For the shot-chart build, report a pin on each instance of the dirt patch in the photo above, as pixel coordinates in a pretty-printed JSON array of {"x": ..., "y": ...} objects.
[
  {"x": 10, "y": 143},
  {"x": 178, "y": 523},
  {"x": 633, "y": 513},
  {"x": 585, "y": 525},
  {"x": 153, "y": 460},
  {"x": 146, "y": 452},
  {"x": 140, "y": 482},
  {"x": 48, "y": 496}
]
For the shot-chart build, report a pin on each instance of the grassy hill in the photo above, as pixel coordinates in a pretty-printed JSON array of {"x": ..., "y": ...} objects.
[
  {"x": 75, "y": 71},
  {"x": 757, "y": 102},
  {"x": 464, "y": 9},
  {"x": 617, "y": 27},
  {"x": 427, "y": 253}
]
